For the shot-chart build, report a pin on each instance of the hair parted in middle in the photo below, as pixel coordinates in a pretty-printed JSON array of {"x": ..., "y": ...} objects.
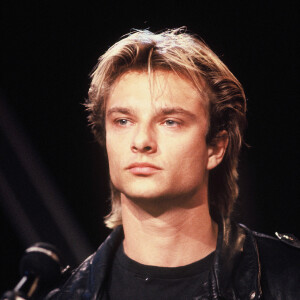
[{"x": 185, "y": 54}]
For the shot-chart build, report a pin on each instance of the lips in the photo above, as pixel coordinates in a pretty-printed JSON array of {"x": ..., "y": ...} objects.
[{"x": 143, "y": 169}]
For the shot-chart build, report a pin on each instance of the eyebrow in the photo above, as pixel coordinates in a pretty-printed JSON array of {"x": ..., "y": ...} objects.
[
  {"x": 164, "y": 111},
  {"x": 122, "y": 110},
  {"x": 177, "y": 110}
]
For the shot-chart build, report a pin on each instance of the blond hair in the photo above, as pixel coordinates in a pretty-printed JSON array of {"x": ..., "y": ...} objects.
[{"x": 178, "y": 51}]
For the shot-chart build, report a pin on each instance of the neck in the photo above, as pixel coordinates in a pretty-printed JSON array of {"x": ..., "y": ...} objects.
[{"x": 170, "y": 238}]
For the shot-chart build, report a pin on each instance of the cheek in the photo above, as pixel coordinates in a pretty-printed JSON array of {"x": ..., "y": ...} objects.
[
  {"x": 192, "y": 146},
  {"x": 113, "y": 154},
  {"x": 117, "y": 152},
  {"x": 113, "y": 165},
  {"x": 194, "y": 160},
  {"x": 190, "y": 158}
]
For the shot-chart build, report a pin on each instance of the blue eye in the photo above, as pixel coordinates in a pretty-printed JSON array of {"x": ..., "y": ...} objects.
[
  {"x": 122, "y": 122},
  {"x": 171, "y": 123}
]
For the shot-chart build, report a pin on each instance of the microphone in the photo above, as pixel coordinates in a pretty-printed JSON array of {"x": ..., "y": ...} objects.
[{"x": 41, "y": 271}]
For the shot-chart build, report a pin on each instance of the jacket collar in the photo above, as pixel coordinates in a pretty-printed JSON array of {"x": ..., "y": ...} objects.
[
  {"x": 101, "y": 263},
  {"x": 236, "y": 270}
]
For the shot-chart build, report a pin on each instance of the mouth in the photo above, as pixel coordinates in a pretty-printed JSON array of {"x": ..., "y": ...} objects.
[{"x": 143, "y": 169}]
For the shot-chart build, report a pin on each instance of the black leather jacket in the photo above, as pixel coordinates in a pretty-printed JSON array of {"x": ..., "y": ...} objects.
[{"x": 247, "y": 265}]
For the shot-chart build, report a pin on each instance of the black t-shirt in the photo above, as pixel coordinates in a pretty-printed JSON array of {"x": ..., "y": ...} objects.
[{"x": 130, "y": 280}]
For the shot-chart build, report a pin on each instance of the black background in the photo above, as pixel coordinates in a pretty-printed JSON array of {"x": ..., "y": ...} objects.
[{"x": 48, "y": 49}]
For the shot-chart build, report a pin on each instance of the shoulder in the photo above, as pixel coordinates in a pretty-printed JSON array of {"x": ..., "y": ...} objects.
[
  {"x": 279, "y": 258},
  {"x": 76, "y": 286},
  {"x": 281, "y": 251},
  {"x": 86, "y": 281},
  {"x": 279, "y": 244}
]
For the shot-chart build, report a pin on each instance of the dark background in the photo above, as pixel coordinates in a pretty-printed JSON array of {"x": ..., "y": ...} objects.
[{"x": 48, "y": 49}]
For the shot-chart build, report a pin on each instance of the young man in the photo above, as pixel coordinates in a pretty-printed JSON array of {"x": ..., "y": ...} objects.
[{"x": 171, "y": 116}]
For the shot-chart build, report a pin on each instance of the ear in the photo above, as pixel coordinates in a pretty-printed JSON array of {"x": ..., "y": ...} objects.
[{"x": 217, "y": 149}]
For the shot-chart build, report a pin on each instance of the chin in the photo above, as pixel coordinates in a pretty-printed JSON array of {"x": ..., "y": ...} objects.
[
  {"x": 144, "y": 189},
  {"x": 142, "y": 195}
]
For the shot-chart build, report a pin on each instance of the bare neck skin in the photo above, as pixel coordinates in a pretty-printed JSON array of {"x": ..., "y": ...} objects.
[{"x": 170, "y": 238}]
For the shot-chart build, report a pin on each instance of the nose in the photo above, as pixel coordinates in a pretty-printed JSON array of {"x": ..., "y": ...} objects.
[{"x": 144, "y": 140}]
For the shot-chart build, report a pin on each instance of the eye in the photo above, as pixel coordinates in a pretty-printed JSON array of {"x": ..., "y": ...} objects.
[
  {"x": 171, "y": 123},
  {"x": 122, "y": 122}
]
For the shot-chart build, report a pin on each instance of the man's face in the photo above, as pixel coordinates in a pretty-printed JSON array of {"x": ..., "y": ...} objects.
[{"x": 155, "y": 137}]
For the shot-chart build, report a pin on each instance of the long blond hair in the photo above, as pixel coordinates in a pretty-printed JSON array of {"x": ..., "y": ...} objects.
[{"x": 178, "y": 51}]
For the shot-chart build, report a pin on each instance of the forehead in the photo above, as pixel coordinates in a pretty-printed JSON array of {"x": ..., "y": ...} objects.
[{"x": 161, "y": 88}]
